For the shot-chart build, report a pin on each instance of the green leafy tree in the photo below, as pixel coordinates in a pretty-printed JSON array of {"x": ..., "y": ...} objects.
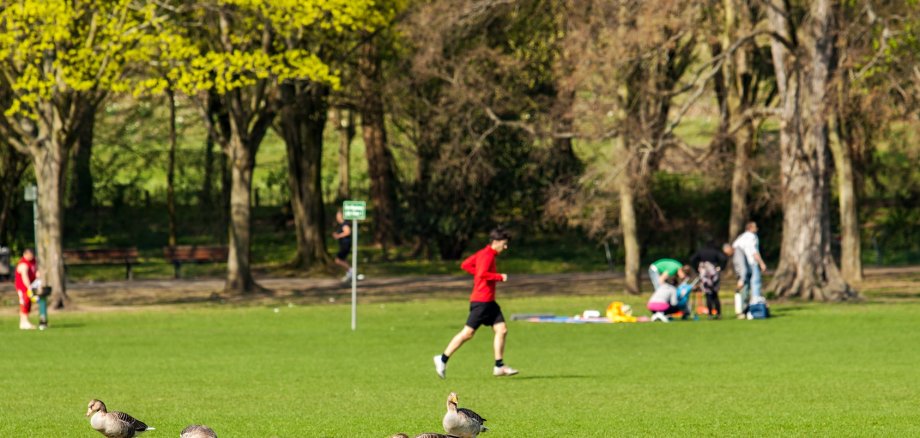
[
  {"x": 303, "y": 117},
  {"x": 60, "y": 59},
  {"x": 248, "y": 53}
]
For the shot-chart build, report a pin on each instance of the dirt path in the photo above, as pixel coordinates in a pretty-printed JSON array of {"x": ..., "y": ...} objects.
[
  {"x": 895, "y": 283},
  {"x": 319, "y": 290}
]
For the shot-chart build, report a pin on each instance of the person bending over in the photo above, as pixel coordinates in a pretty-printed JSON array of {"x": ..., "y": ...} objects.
[
  {"x": 663, "y": 269},
  {"x": 664, "y": 301},
  {"x": 709, "y": 263}
]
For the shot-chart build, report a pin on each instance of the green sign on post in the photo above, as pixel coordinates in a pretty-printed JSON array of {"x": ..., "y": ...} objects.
[
  {"x": 354, "y": 211},
  {"x": 31, "y": 193}
]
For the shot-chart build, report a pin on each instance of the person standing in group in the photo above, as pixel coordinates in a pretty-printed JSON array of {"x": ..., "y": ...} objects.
[
  {"x": 749, "y": 244},
  {"x": 483, "y": 308},
  {"x": 663, "y": 269},
  {"x": 709, "y": 263},
  {"x": 342, "y": 234},
  {"x": 742, "y": 291},
  {"x": 26, "y": 274}
]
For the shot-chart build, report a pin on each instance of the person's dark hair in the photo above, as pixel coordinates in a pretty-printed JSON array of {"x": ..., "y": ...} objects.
[
  {"x": 499, "y": 234},
  {"x": 28, "y": 251}
]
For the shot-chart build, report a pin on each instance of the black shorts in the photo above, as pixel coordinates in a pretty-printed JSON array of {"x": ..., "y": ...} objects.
[
  {"x": 344, "y": 251},
  {"x": 484, "y": 314}
]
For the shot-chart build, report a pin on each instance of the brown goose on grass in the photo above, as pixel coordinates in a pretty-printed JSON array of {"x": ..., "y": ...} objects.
[
  {"x": 462, "y": 422},
  {"x": 425, "y": 435},
  {"x": 113, "y": 424},
  {"x": 197, "y": 431}
]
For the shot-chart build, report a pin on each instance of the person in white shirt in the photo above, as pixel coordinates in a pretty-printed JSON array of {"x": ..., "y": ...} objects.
[{"x": 749, "y": 244}]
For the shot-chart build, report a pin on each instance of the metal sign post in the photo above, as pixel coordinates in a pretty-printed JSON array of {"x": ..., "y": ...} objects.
[
  {"x": 354, "y": 211},
  {"x": 31, "y": 195}
]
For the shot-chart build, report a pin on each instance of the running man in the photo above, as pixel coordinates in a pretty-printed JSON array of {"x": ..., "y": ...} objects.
[
  {"x": 26, "y": 273},
  {"x": 483, "y": 308},
  {"x": 342, "y": 234}
]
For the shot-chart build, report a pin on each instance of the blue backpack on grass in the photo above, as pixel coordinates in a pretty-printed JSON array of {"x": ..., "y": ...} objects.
[{"x": 758, "y": 309}]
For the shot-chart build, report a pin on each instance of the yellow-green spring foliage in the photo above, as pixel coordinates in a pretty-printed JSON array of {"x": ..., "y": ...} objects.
[{"x": 53, "y": 47}]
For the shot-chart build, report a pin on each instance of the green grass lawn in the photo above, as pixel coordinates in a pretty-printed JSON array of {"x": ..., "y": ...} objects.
[{"x": 830, "y": 370}]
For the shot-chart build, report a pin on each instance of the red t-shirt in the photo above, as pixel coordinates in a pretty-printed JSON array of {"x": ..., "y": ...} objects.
[
  {"x": 25, "y": 287},
  {"x": 482, "y": 266}
]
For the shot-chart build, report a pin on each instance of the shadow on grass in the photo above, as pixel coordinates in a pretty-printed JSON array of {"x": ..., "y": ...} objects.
[
  {"x": 785, "y": 311},
  {"x": 63, "y": 325},
  {"x": 553, "y": 377},
  {"x": 892, "y": 295}
]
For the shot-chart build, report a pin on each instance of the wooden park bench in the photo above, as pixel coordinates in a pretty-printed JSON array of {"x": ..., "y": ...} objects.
[
  {"x": 178, "y": 255},
  {"x": 103, "y": 256}
]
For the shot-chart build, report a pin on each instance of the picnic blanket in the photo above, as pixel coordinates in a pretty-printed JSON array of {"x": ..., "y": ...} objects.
[{"x": 551, "y": 318}]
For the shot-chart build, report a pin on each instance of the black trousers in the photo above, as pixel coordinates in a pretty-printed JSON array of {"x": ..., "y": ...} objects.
[{"x": 713, "y": 304}]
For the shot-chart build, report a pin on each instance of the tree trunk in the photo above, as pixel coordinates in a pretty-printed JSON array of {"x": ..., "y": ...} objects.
[
  {"x": 741, "y": 183},
  {"x": 49, "y": 162},
  {"x": 207, "y": 185},
  {"x": 248, "y": 118},
  {"x": 217, "y": 119},
  {"x": 345, "y": 124},
  {"x": 171, "y": 169},
  {"x": 380, "y": 163},
  {"x": 82, "y": 166},
  {"x": 11, "y": 170},
  {"x": 628, "y": 222},
  {"x": 423, "y": 224},
  {"x": 239, "y": 270},
  {"x": 565, "y": 164},
  {"x": 806, "y": 267},
  {"x": 739, "y": 92},
  {"x": 850, "y": 251},
  {"x": 302, "y": 121},
  {"x": 226, "y": 182},
  {"x": 728, "y": 98}
]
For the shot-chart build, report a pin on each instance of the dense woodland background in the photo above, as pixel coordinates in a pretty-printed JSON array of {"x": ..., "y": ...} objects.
[{"x": 652, "y": 127}]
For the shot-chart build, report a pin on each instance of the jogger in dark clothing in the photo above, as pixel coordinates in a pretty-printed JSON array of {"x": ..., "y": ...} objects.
[{"x": 343, "y": 234}]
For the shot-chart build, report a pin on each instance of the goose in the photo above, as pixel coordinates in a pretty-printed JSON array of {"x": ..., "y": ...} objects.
[
  {"x": 197, "y": 431},
  {"x": 462, "y": 422},
  {"x": 425, "y": 435},
  {"x": 113, "y": 424}
]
